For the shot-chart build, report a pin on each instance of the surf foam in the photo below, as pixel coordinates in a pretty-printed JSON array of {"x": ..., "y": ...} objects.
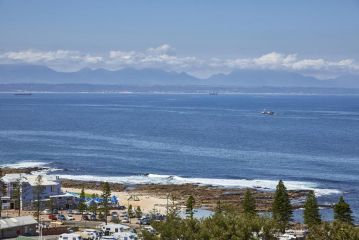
[{"x": 262, "y": 184}]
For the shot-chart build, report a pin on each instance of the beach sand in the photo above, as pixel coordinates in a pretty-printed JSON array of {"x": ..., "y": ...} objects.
[{"x": 146, "y": 202}]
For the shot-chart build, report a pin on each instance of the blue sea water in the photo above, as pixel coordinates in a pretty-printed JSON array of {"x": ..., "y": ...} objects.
[{"x": 312, "y": 142}]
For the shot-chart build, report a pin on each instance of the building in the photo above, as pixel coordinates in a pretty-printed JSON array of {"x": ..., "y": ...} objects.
[
  {"x": 49, "y": 186},
  {"x": 13, "y": 227}
]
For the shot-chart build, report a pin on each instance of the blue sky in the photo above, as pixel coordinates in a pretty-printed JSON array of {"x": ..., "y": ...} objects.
[{"x": 224, "y": 30}]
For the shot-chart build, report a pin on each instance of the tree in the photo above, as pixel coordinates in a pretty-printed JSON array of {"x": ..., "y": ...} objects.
[
  {"x": 311, "y": 210},
  {"x": 333, "y": 231},
  {"x": 16, "y": 195},
  {"x": 38, "y": 189},
  {"x": 138, "y": 212},
  {"x": 249, "y": 203},
  {"x": 190, "y": 207},
  {"x": 3, "y": 190},
  {"x": 82, "y": 203},
  {"x": 130, "y": 211},
  {"x": 342, "y": 211},
  {"x": 281, "y": 207},
  {"x": 106, "y": 194},
  {"x": 93, "y": 207}
]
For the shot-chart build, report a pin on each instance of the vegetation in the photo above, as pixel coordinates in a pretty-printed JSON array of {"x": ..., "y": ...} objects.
[
  {"x": 2, "y": 190},
  {"x": 342, "y": 212},
  {"x": 106, "y": 194},
  {"x": 16, "y": 195},
  {"x": 190, "y": 207},
  {"x": 82, "y": 203},
  {"x": 93, "y": 207},
  {"x": 249, "y": 203},
  {"x": 38, "y": 191},
  {"x": 223, "y": 225},
  {"x": 311, "y": 211},
  {"x": 138, "y": 212},
  {"x": 281, "y": 208},
  {"x": 336, "y": 230},
  {"x": 130, "y": 212}
]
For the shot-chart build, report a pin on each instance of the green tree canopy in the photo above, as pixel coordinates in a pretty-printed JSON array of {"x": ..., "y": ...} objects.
[
  {"x": 281, "y": 207},
  {"x": 249, "y": 203},
  {"x": 82, "y": 203},
  {"x": 190, "y": 207},
  {"x": 342, "y": 211},
  {"x": 311, "y": 210}
]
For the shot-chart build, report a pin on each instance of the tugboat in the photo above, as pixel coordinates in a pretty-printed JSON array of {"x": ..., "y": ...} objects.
[{"x": 266, "y": 112}]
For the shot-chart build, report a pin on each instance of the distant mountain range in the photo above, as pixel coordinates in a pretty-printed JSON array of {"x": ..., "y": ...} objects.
[{"x": 35, "y": 74}]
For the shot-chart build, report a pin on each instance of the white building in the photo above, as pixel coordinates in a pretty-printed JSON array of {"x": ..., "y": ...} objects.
[{"x": 50, "y": 186}]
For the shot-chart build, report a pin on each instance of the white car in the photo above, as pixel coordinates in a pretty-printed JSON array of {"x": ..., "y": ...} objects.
[
  {"x": 108, "y": 238},
  {"x": 70, "y": 217},
  {"x": 125, "y": 220},
  {"x": 46, "y": 211},
  {"x": 69, "y": 236}
]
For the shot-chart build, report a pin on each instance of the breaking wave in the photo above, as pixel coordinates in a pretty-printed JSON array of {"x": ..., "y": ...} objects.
[{"x": 269, "y": 185}]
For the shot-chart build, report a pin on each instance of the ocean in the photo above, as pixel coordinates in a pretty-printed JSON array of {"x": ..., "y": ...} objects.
[{"x": 312, "y": 141}]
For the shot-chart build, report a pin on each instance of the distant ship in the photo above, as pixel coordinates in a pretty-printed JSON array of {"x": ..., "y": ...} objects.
[
  {"x": 266, "y": 112},
  {"x": 22, "y": 94},
  {"x": 213, "y": 93}
]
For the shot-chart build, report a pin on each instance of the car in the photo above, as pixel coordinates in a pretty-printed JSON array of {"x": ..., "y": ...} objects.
[
  {"x": 125, "y": 220},
  {"x": 93, "y": 217},
  {"x": 69, "y": 217},
  {"x": 76, "y": 212},
  {"x": 85, "y": 218},
  {"x": 46, "y": 211},
  {"x": 52, "y": 217},
  {"x": 55, "y": 211},
  {"x": 149, "y": 229},
  {"x": 114, "y": 214},
  {"x": 108, "y": 238},
  {"x": 61, "y": 217}
]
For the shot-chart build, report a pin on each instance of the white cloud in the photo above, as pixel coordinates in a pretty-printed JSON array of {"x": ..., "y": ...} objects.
[{"x": 164, "y": 57}]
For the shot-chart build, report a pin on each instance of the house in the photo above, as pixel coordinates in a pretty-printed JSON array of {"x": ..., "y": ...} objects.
[
  {"x": 49, "y": 186},
  {"x": 13, "y": 227}
]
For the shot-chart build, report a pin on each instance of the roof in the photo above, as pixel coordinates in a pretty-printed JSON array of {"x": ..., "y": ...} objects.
[
  {"x": 30, "y": 178},
  {"x": 17, "y": 222}
]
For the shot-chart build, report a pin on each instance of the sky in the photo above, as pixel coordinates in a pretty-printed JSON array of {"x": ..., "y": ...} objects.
[{"x": 201, "y": 37}]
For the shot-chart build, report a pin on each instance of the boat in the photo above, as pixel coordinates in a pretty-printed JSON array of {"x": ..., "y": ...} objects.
[
  {"x": 266, "y": 112},
  {"x": 22, "y": 94},
  {"x": 213, "y": 93}
]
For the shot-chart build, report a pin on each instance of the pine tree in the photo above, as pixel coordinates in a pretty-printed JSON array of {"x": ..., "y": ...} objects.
[
  {"x": 3, "y": 190},
  {"x": 138, "y": 212},
  {"x": 249, "y": 203},
  {"x": 106, "y": 194},
  {"x": 38, "y": 189},
  {"x": 93, "y": 207},
  {"x": 281, "y": 208},
  {"x": 82, "y": 204},
  {"x": 342, "y": 211},
  {"x": 16, "y": 195},
  {"x": 311, "y": 210},
  {"x": 190, "y": 207}
]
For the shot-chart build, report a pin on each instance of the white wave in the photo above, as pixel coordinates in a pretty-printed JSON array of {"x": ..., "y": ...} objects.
[
  {"x": 269, "y": 185},
  {"x": 25, "y": 164}
]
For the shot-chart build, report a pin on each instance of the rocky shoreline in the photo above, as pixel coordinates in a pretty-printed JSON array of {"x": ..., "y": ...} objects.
[{"x": 205, "y": 196}]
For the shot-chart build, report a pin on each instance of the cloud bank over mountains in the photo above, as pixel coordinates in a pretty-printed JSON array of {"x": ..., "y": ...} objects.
[{"x": 164, "y": 57}]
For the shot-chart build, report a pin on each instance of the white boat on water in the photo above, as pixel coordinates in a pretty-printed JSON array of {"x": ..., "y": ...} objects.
[{"x": 266, "y": 112}]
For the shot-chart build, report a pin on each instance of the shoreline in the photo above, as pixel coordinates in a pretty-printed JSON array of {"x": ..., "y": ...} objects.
[{"x": 156, "y": 195}]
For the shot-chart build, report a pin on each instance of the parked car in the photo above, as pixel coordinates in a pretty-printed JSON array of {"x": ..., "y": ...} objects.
[
  {"x": 85, "y": 218},
  {"x": 61, "y": 217},
  {"x": 69, "y": 236},
  {"x": 125, "y": 220},
  {"x": 108, "y": 238},
  {"x": 55, "y": 211},
  {"x": 70, "y": 218},
  {"x": 93, "y": 217},
  {"x": 76, "y": 212},
  {"x": 46, "y": 211},
  {"x": 114, "y": 214},
  {"x": 52, "y": 217}
]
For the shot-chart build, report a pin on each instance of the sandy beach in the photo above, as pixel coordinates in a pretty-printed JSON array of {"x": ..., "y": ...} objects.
[{"x": 146, "y": 202}]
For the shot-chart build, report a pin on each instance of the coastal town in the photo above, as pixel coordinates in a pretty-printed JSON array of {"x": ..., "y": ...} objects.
[{"x": 35, "y": 205}]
